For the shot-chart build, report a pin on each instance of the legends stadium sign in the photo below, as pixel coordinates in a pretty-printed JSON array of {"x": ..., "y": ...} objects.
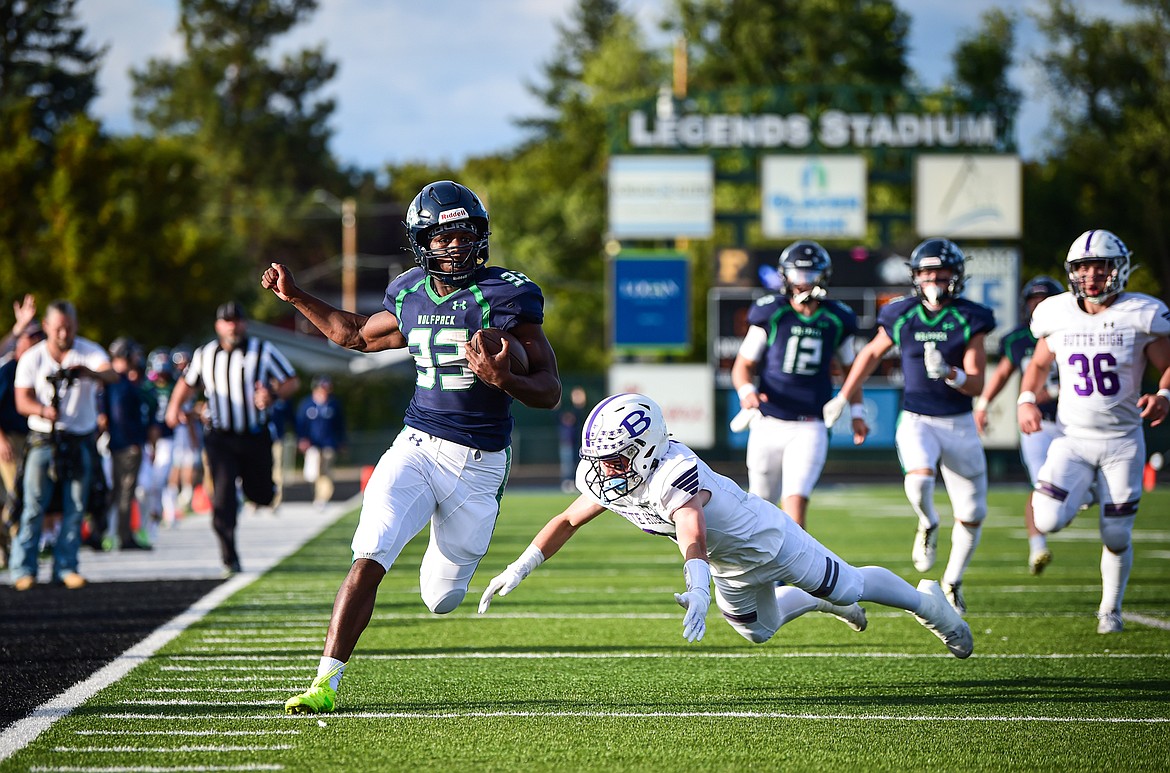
[{"x": 833, "y": 129}]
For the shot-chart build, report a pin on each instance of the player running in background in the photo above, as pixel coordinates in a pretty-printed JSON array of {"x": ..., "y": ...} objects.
[
  {"x": 940, "y": 337},
  {"x": 791, "y": 344},
  {"x": 449, "y": 464},
  {"x": 630, "y": 465},
  {"x": 1015, "y": 353},
  {"x": 1101, "y": 339}
]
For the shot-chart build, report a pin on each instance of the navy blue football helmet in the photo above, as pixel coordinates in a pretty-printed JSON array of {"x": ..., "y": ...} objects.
[
  {"x": 939, "y": 253},
  {"x": 441, "y": 206},
  {"x": 1040, "y": 287},
  {"x": 805, "y": 264}
]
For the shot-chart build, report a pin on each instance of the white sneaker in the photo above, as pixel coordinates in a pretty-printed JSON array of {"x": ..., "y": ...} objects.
[
  {"x": 1038, "y": 560},
  {"x": 852, "y": 615},
  {"x": 937, "y": 616},
  {"x": 1109, "y": 622},
  {"x": 925, "y": 543},
  {"x": 954, "y": 594}
]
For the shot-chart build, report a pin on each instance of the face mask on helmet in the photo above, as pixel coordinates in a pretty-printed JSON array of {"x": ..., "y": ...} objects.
[
  {"x": 623, "y": 440},
  {"x": 938, "y": 254},
  {"x": 441, "y": 208},
  {"x": 806, "y": 268},
  {"x": 1098, "y": 246}
]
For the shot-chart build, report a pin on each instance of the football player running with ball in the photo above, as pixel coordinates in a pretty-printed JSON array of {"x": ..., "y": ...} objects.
[
  {"x": 940, "y": 336},
  {"x": 629, "y": 465},
  {"x": 1101, "y": 339},
  {"x": 449, "y": 464}
]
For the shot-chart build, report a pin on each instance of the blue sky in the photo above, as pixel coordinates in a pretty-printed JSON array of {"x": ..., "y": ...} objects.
[{"x": 416, "y": 84}]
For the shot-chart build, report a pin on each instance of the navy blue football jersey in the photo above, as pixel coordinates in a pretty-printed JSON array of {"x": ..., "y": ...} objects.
[
  {"x": 794, "y": 368},
  {"x": 910, "y": 325},
  {"x": 1018, "y": 346},
  {"x": 449, "y": 401}
]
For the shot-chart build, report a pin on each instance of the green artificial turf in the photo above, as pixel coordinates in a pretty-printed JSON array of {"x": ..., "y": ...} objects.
[{"x": 583, "y": 667}]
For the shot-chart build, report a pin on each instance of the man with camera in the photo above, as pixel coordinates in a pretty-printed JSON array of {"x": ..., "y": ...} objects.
[{"x": 56, "y": 388}]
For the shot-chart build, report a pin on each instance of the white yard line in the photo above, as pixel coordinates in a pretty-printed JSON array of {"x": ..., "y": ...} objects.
[
  {"x": 186, "y": 732},
  {"x": 645, "y": 715},
  {"x": 218, "y": 664},
  {"x": 166, "y": 749}
]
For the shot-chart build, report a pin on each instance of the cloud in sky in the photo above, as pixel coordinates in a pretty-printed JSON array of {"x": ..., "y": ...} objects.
[{"x": 417, "y": 84}]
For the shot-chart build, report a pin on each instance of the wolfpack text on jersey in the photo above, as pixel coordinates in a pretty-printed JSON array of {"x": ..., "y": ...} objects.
[
  {"x": 449, "y": 401},
  {"x": 910, "y": 325}
]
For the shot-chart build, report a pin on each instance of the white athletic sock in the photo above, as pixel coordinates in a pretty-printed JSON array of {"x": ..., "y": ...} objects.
[
  {"x": 884, "y": 587},
  {"x": 1114, "y": 576},
  {"x": 794, "y": 602},
  {"x": 964, "y": 539},
  {"x": 920, "y": 492},
  {"x": 1037, "y": 543},
  {"x": 332, "y": 668}
]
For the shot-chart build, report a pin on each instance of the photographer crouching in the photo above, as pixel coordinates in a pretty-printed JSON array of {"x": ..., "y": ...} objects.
[{"x": 56, "y": 388}]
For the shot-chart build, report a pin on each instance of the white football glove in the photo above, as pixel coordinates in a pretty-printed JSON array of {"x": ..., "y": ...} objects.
[
  {"x": 506, "y": 581},
  {"x": 697, "y": 600},
  {"x": 936, "y": 366},
  {"x": 833, "y": 409},
  {"x": 744, "y": 419}
]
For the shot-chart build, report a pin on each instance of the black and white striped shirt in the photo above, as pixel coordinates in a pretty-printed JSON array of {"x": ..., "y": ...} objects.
[{"x": 229, "y": 380}]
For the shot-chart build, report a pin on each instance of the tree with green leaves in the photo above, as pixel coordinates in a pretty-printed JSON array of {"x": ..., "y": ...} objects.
[
  {"x": 259, "y": 128},
  {"x": 45, "y": 62},
  {"x": 547, "y": 200},
  {"x": 1109, "y": 161},
  {"x": 793, "y": 42}
]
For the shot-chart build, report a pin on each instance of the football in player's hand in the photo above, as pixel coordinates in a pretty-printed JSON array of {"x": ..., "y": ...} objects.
[{"x": 491, "y": 338}]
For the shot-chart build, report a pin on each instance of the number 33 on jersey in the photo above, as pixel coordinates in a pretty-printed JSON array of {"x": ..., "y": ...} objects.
[{"x": 449, "y": 398}]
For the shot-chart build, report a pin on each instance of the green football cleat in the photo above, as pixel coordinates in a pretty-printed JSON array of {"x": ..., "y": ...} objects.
[{"x": 320, "y": 698}]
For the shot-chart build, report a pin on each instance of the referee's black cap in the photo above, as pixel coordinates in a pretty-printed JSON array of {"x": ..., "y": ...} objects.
[{"x": 230, "y": 311}]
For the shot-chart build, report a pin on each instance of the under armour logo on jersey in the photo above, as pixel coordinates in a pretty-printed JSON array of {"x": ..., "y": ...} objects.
[
  {"x": 459, "y": 305},
  {"x": 415, "y": 439}
]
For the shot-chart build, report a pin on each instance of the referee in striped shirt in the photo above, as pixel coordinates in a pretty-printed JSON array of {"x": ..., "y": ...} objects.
[{"x": 241, "y": 377}]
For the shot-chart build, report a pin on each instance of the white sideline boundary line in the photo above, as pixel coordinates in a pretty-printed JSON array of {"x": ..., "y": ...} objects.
[{"x": 26, "y": 730}]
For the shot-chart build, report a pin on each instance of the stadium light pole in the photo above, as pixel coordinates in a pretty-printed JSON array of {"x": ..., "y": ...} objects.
[{"x": 347, "y": 208}]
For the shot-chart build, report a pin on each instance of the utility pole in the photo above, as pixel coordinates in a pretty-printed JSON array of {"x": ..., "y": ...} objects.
[{"x": 349, "y": 254}]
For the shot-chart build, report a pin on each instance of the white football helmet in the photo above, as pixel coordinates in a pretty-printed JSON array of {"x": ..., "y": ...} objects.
[
  {"x": 1098, "y": 245},
  {"x": 627, "y": 431}
]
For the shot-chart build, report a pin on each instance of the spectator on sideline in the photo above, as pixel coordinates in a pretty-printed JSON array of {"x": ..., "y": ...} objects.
[
  {"x": 56, "y": 388},
  {"x": 128, "y": 416},
  {"x": 187, "y": 461},
  {"x": 13, "y": 436},
  {"x": 240, "y": 376},
  {"x": 321, "y": 434},
  {"x": 569, "y": 436}
]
